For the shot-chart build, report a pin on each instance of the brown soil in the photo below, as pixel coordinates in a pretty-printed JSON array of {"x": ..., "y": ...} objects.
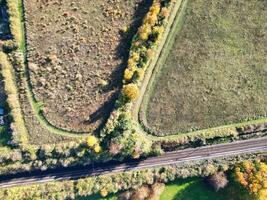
[{"x": 76, "y": 57}]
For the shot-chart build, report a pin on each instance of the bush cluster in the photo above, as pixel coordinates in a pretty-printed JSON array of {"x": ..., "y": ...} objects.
[
  {"x": 93, "y": 143},
  {"x": 124, "y": 141}
]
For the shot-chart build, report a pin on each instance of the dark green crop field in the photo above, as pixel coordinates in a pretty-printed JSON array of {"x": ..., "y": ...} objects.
[{"x": 216, "y": 70}]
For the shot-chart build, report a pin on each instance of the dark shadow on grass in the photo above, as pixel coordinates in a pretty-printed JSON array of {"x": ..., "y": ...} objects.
[
  {"x": 122, "y": 51},
  {"x": 94, "y": 117}
]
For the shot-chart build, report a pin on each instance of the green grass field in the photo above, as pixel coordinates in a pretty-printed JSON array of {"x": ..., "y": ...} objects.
[
  {"x": 197, "y": 189},
  {"x": 215, "y": 73}
]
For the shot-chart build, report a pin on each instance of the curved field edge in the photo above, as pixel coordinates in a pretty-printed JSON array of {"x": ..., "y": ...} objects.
[
  {"x": 147, "y": 85},
  {"x": 16, "y": 12}
]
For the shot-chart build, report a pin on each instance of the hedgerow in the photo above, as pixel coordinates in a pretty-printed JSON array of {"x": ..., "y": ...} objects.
[
  {"x": 19, "y": 131},
  {"x": 146, "y": 40},
  {"x": 211, "y": 137},
  {"x": 29, "y": 157},
  {"x": 113, "y": 183},
  {"x": 15, "y": 16}
]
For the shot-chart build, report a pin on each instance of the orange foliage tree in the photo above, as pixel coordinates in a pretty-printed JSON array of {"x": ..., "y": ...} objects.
[{"x": 253, "y": 176}]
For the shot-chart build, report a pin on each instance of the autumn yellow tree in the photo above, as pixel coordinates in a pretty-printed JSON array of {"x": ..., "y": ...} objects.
[
  {"x": 131, "y": 91},
  {"x": 144, "y": 31},
  {"x": 128, "y": 74},
  {"x": 103, "y": 192},
  {"x": 97, "y": 148},
  {"x": 253, "y": 176},
  {"x": 91, "y": 141}
]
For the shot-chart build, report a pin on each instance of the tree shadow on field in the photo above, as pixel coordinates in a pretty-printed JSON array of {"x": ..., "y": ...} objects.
[
  {"x": 122, "y": 51},
  {"x": 105, "y": 109}
]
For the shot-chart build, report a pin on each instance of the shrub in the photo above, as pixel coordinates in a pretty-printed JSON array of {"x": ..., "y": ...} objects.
[
  {"x": 150, "y": 53},
  {"x": 218, "y": 180},
  {"x": 91, "y": 141},
  {"x": 155, "y": 8},
  {"x": 135, "y": 56},
  {"x": 115, "y": 148},
  {"x": 144, "y": 32},
  {"x": 141, "y": 194},
  {"x": 131, "y": 63},
  {"x": 165, "y": 12},
  {"x": 151, "y": 19},
  {"x": 97, "y": 148},
  {"x": 104, "y": 192},
  {"x": 131, "y": 91},
  {"x": 140, "y": 73},
  {"x": 128, "y": 74}
]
